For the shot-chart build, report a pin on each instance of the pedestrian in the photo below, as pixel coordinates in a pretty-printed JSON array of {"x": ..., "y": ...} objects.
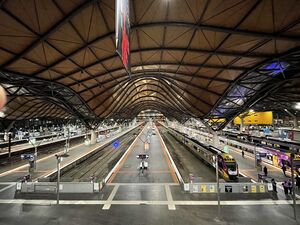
[
  {"x": 290, "y": 186},
  {"x": 274, "y": 185},
  {"x": 243, "y": 154},
  {"x": 285, "y": 187},
  {"x": 265, "y": 171},
  {"x": 283, "y": 169},
  {"x": 298, "y": 182}
]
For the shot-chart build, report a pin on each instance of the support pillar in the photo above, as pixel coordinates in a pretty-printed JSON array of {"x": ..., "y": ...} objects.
[
  {"x": 93, "y": 137},
  {"x": 215, "y": 139},
  {"x": 293, "y": 116},
  {"x": 242, "y": 125}
]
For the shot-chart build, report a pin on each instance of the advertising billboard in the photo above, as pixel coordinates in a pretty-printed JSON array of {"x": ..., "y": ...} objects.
[{"x": 123, "y": 32}]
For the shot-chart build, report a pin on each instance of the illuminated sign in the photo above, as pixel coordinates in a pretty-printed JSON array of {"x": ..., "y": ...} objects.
[{"x": 123, "y": 32}]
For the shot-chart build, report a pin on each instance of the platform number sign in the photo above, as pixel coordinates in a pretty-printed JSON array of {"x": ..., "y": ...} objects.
[
  {"x": 228, "y": 188},
  {"x": 116, "y": 144}
]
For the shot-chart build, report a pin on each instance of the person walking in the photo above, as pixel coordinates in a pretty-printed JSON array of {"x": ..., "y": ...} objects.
[
  {"x": 285, "y": 187},
  {"x": 283, "y": 169},
  {"x": 290, "y": 186},
  {"x": 274, "y": 185},
  {"x": 243, "y": 154},
  {"x": 265, "y": 171}
]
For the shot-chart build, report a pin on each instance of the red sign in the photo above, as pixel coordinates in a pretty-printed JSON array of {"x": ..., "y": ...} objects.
[{"x": 123, "y": 32}]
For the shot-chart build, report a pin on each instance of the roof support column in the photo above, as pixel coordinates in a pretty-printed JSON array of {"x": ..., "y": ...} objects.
[
  {"x": 215, "y": 139},
  {"x": 93, "y": 137},
  {"x": 295, "y": 120}
]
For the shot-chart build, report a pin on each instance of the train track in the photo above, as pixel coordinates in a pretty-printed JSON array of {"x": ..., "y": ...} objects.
[
  {"x": 99, "y": 164},
  {"x": 182, "y": 157}
]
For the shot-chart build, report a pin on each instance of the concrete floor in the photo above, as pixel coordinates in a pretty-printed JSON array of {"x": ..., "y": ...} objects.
[
  {"x": 145, "y": 214},
  {"x": 159, "y": 165}
]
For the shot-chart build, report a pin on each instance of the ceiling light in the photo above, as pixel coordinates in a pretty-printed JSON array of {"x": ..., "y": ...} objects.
[{"x": 297, "y": 106}]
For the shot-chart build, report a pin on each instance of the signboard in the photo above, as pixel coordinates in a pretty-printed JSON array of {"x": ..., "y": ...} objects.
[
  {"x": 203, "y": 188},
  {"x": 253, "y": 188},
  {"x": 262, "y": 188},
  {"x": 195, "y": 188},
  {"x": 212, "y": 189},
  {"x": 19, "y": 186},
  {"x": 263, "y": 118},
  {"x": 116, "y": 144},
  {"x": 27, "y": 156},
  {"x": 123, "y": 32},
  {"x": 270, "y": 187},
  {"x": 245, "y": 188},
  {"x": 228, "y": 188},
  {"x": 186, "y": 187}
]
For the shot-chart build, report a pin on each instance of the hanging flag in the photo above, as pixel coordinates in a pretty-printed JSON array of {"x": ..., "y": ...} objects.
[{"x": 123, "y": 32}]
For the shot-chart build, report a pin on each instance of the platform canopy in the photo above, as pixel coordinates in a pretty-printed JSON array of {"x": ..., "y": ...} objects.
[{"x": 206, "y": 59}]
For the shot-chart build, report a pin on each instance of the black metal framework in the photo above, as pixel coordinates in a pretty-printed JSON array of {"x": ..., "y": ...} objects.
[
  {"x": 18, "y": 85},
  {"x": 169, "y": 89},
  {"x": 254, "y": 86}
]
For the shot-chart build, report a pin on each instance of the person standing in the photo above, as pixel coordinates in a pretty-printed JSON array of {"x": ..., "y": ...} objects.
[
  {"x": 285, "y": 187},
  {"x": 283, "y": 169},
  {"x": 290, "y": 186},
  {"x": 298, "y": 182},
  {"x": 265, "y": 171},
  {"x": 274, "y": 185},
  {"x": 243, "y": 154}
]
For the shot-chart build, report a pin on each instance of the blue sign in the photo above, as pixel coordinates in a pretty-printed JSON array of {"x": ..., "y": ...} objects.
[
  {"x": 266, "y": 130},
  {"x": 116, "y": 144},
  {"x": 27, "y": 156}
]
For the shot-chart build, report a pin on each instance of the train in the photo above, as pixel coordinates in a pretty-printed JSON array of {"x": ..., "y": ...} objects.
[
  {"x": 269, "y": 150},
  {"x": 269, "y": 155},
  {"x": 227, "y": 165},
  {"x": 276, "y": 143}
]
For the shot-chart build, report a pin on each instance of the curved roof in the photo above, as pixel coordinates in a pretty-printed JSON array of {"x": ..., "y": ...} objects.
[{"x": 187, "y": 56}]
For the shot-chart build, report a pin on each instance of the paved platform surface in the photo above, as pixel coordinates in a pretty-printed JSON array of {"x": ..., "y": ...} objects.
[
  {"x": 159, "y": 170},
  {"x": 148, "y": 203},
  {"x": 47, "y": 164}
]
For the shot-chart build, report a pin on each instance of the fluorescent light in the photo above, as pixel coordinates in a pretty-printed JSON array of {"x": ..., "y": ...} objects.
[{"x": 297, "y": 106}]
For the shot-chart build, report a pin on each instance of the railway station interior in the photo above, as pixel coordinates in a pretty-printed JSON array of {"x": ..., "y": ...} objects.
[{"x": 146, "y": 112}]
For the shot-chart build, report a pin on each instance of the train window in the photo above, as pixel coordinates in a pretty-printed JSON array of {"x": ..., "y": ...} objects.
[{"x": 231, "y": 165}]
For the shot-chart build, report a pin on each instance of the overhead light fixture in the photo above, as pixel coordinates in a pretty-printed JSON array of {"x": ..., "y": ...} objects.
[
  {"x": 297, "y": 106},
  {"x": 2, "y": 114},
  {"x": 251, "y": 111}
]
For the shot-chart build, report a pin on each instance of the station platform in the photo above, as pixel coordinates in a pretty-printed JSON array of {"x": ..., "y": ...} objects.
[
  {"x": 40, "y": 143},
  {"x": 154, "y": 197},
  {"x": 47, "y": 165},
  {"x": 159, "y": 170},
  {"x": 247, "y": 168}
]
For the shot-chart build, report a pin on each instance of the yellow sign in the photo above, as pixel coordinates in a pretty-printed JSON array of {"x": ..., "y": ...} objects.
[
  {"x": 218, "y": 120},
  {"x": 203, "y": 188},
  {"x": 253, "y": 188},
  {"x": 264, "y": 118},
  {"x": 212, "y": 189},
  {"x": 262, "y": 188}
]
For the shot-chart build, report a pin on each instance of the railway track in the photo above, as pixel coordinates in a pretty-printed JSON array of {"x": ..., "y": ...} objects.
[
  {"x": 185, "y": 161},
  {"x": 99, "y": 164}
]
